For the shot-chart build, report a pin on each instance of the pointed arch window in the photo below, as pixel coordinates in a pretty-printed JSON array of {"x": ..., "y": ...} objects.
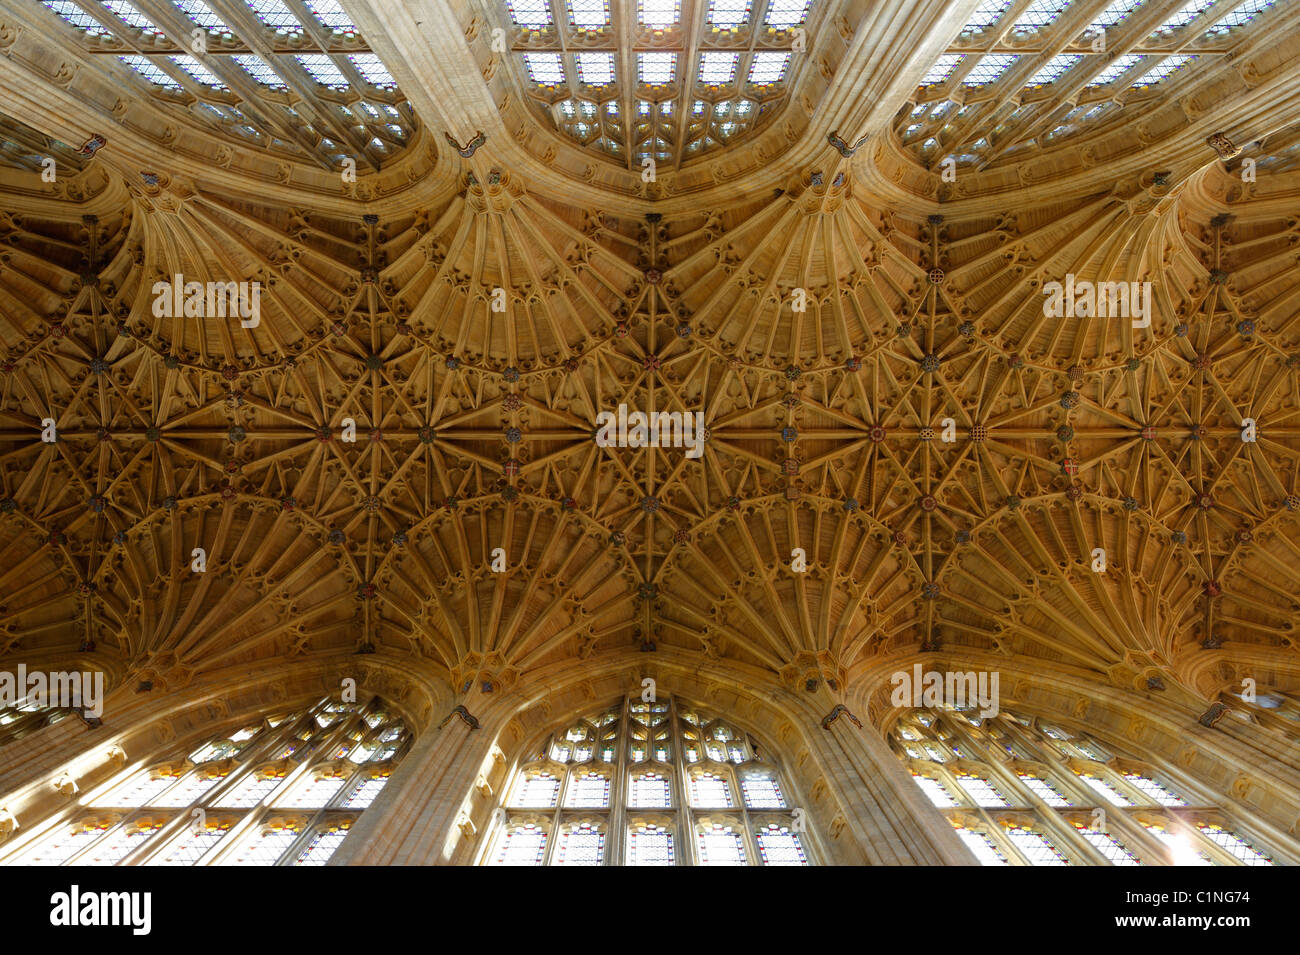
[
  {"x": 649, "y": 784},
  {"x": 1063, "y": 798},
  {"x": 281, "y": 791}
]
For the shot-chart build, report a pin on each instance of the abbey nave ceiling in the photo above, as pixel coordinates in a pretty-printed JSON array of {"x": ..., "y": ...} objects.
[{"x": 857, "y": 257}]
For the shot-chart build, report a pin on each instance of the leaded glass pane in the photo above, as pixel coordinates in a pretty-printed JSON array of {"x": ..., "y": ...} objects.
[
  {"x": 650, "y": 791},
  {"x": 721, "y": 845},
  {"x": 540, "y": 790},
  {"x": 1241, "y": 850},
  {"x": 777, "y": 845},
  {"x": 322, "y": 846},
  {"x": 263, "y": 848},
  {"x": 191, "y": 846},
  {"x": 710, "y": 791},
  {"x": 761, "y": 792},
  {"x": 1152, "y": 789},
  {"x": 583, "y": 845},
  {"x": 521, "y": 845},
  {"x": 588, "y": 791},
  {"x": 116, "y": 846},
  {"x": 650, "y": 845},
  {"x": 1035, "y": 847},
  {"x": 1114, "y": 851}
]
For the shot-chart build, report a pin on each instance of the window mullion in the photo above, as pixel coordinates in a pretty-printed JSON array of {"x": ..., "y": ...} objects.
[
  {"x": 686, "y": 814},
  {"x": 619, "y": 790}
]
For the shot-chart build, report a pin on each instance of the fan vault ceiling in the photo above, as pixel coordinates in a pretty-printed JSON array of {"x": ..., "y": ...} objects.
[{"x": 475, "y": 429}]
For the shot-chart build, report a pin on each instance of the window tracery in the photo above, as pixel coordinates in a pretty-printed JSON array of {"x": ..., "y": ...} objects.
[
  {"x": 284, "y": 791},
  {"x": 995, "y": 78},
  {"x": 692, "y": 85},
  {"x": 1062, "y": 798},
  {"x": 647, "y": 784},
  {"x": 345, "y": 101}
]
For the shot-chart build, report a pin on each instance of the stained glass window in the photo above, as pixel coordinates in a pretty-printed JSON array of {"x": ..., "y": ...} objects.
[
  {"x": 323, "y": 70},
  {"x": 522, "y": 845},
  {"x": 364, "y": 792},
  {"x": 761, "y": 791},
  {"x": 189, "y": 791},
  {"x": 1112, "y": 849},
  {"x": 374, "y": 71},
  {"x": 589, "y": 14},
  {"x": 650, "y": 791},
  {"x": 260, "y": 70},
  {"x": 1053, "y": 68},
  {"x": 717, "y": 66},
  {"x": 729, "y": 14},
  {"x": 985, "y": 15},
  {"x": 980, "y": 790},
  {"x": 1111, "y": 73},
  {"x": 1111, "y": 794},
  {"x": 118, "y": 845},
  {"x": 1040, "y": 13},
  {"x": 942, "y": 69},
  {"x": 983, "y": 847},
  {"x": 588, "y": 791},
  {"x": 658, "y": 14},
  {"x": 144, "y": 787},
  {"x": 544, "y": 69},
  {"x": 265, "y": 846},
  {"x": 78, "y": 17},
  {"x": 595, "y": 69},
  {"x": 332, "y": 15},
  {"x": 1151, "y": 788},
  {"x": 777, "y": 845},
  {"x": 1034, "y": 847},
  {"x": 199, "y": 71},
  {"x": 989, "y": 68},
  {"x": 1044, "y": 790},
  {"x": 1239, "y": 16},
  {"x": 214, "y": 794},
  {"x": 768, "y": 67},
  {"x": 1114, "y": 14},
  {"x": 626, "y": 794},
  {"x": 1165, "y": 67},
  {"x": 710, "y": 791},
  {"x": 275, "y": 15},
  {"x": 935, "y": 790},
  {"x": 1240, "y": 849},
  {"x": 540, "y": 790},
  {"x": 1039, "y": 824},
  {"x": 656, "y": 68},
  {"x": 533, "y": 14},
  {"x": 316, "y": 793},
  {"x": 721, "y": 845},
  {"x": 151, "y": 72},
  {"x": 251, "y": 791},
  {"x": 1181, "y": 849},
  {"x": 62, "y": 845},
  {"x": 581, "y": 845},
  {"x": 321, "y": 847},
  {"x": 783, "y": 14},
  {"x": 192, "y": 846},
  {"x": 650, "y": 845},
  {"x": 131, "y": 15}
]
